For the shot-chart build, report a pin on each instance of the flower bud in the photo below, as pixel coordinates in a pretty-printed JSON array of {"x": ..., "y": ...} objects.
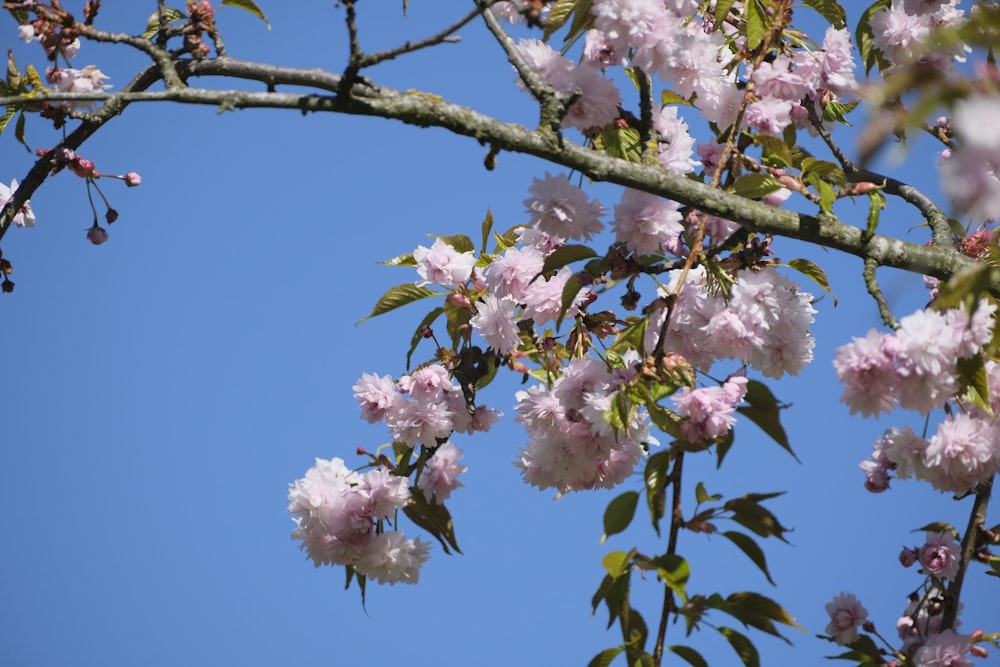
[
  {"x": 459, "y": 301},
  {"x": 111, "y": 215},
  {"x": 132, "y": 179},
  {"x": 97, "y": 234},
  {"x": 907, "y": 557},
  {"x": 7, "y": 286},
  {"x": 82, "y": 167}
]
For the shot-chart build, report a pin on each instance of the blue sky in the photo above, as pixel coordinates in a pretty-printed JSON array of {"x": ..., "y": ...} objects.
[{"x": 162, "y": 390}]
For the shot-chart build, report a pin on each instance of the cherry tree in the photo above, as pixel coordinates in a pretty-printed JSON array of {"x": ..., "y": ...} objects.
[{"x": 647, "y": 330}]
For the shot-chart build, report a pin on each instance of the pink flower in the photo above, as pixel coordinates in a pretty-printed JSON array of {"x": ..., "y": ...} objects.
[
  {"x": 940, "y": 556},
  {"x": 390, "y": 558},
  {"x": 869, "y": 375},
  {"x": 443, "y": 265},
  {"x": 769, "y": 115},
  {"x": 439, "y": 477},
  {"x": 846, "y": 615},
  {"x": 496, "y": 322},
  {"x": 560, "y": 209},
  {"x": 946, "y": 649},
  {"x": 709, "y": 410},
  {"x": 646, "y": 223},
  {"x": 676, "y": 143},
  {"x": 971, "y": 174},
  {"x": 376, "y": 396},
  {"x": 132, "y": 179},
  {"x": 512, "y": 272},
  {"x": 543, "y": 299},
  {"x": 964, "y": 452}
]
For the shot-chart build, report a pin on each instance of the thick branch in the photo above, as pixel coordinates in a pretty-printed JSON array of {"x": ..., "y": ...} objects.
[{"x": 428, "y": 110}]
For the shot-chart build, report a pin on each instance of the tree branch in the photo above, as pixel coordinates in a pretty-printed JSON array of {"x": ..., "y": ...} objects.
[{"x": 428, "y": 110}]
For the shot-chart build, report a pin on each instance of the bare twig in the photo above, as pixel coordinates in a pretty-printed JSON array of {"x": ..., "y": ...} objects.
[{"x": 871, "y": 282}]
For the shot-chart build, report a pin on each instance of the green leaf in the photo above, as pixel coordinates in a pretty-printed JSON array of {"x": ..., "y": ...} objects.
[
  {"x": 764, "y": 410},
  {"x": 722, "y": 9},
  {"x": 458, "y": 319},
  {"x": 251, "y": 6},
  {"x": 433, "y": 518},
  {"x": 774, "y": 149},
  {"x": 748, "y": 512},
  {"x": 19, "y": 131},
  {"x": 864, "y": 37},
  {"x": 619, "y": 513},
  {"x": 620, "y": 142},
  {"x": 828, "y": 171},
  {"x": 656, "y": 477},
  {"x": 487, "y": 228},
  {"x": 975, "y": 382},
  {"x": 723, "y": 447},
  {"x": 567, "y": 254},
  {"x": 171, "y": 14},
  {"x": 937, "y": 527},
  {"x": 755, "y": 186},
  {"x": 645, "y": 660},
  {"x": 756, "y": 610},
  {"x": 812, "y": 271},
  {"x": 630, "y": 339},
  {"x": 837, "y": 111},
  {"x": 674, "y": 571},
  {"x": 756, "y": 28},
  {"x": 749, "y": 546},
  {"x": 583, "y": 20},
  {"x": 6, "y": 118},
  {"x": 570, "y": 291},
  {"x": 397, "y": 296},
  {"x": 617, "y": 563},
  {"x": 668, "y": 97},
  {"x": 458, "y": 242},
  {"x": 605, "y": 657},
  {"x": 558, "y": 15},
  {"x": 687, "y": 653},
  {"x": 876, "y": 202},
  {"x": 967, "y": 286},
  {"x": 703, "y": 496},
  {"x": 401, "y": 260},
  {"x": 418, "y": 335},
  {"x": 827, "y": 195},
  {"x": 743, "y": 646},
  {"x": 830, "y": 10}
]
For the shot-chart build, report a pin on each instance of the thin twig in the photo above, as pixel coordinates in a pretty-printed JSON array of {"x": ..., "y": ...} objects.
[
  {"x": 871, "y": 282},
  {"x": 977, "y": 520},
  {"x": 445, "y": 36}
]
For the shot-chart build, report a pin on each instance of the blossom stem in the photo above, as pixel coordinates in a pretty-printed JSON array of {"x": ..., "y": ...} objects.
[
  {"x": 977, "y": 519},
  {"x": 676, "y": 521}
]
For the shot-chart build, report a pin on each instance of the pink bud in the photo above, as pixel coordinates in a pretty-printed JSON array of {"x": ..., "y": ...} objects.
[
  {"x": 132, "y": 179},
  {"x": 459, "y": 301},
  {"x": 111, "y": 215},
  {"x": 97, "y": 234},
  {"x": 82, "y": 167},
  {"x": 907, "y": 557}
]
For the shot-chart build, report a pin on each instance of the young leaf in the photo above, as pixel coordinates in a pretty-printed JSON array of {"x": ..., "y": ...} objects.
[
  {"x": 433, "y": 518},
  {"x": 703, "y": 496},
  {"x": 397, "y": 296},
  {"x": 756, "y": 29},
  {"x": 864, "y": 37},
  {"x": 617, "y": 563},
  {"x": 401, "y": 260},
  {"x": 487, "y": 228},
  {"x": 764, "y": 410},
  {"x": 831, "y": 11},
  {"x": 722, "y": 9},
  {"x": 748, "y": 513},
  {"x": 171, "y": 14},
  {"x": 687, "y": 653},
  {"x": 605, "y": 657},
  {"x": 813, "y": 271},
  {"x": 749, "y": 546},
  {"x": 619, "y": 513},
  {"x": 758, "y": 611},
  {"x": 250, "y": 6},
  {"x": 755, "y": 186},
  {"x": 459, "y": 242},
  {"x": 570, "y": 291},
  {"x": 567, "y": 254},
  {"x": 743, "y": 646},
  {"x": 656, "y": 484},
  {"x": 674, "y": 571},
  {"x": 558, "y": 15},
  {"x": 938, "y": 527}
]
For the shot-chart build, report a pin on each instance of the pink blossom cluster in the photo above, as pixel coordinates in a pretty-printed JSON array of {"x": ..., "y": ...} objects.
[
  {"x": 338, "y": 516},
  {"x": 572, "y": 446},
  {"x": 964, "y": 452},
  {"x": 709, "y": 410},
  {"x": 970, "y": 174},
  {"x": 441, "y": 264},
  {"x": 915, "y": 367},
  {"x": 422, "y": 408},
  {"x": 902, "y": 31},
  {"x": 764, "y": 322},
  {"x": 598, "y": 100}
]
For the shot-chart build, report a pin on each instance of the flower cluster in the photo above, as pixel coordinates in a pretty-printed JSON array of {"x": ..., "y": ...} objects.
[
  {"x": 339, "y": 515},
  {"x": 764, "y": 322},
  {"x": 902, "y": 31},
  {"x": 572, "y": 445},
  {"x": 709, "y": 410},
  {"x": 423, "y": 408},
  {"x": 971, "y": 173},
  {"x": 916, "y": 367}
]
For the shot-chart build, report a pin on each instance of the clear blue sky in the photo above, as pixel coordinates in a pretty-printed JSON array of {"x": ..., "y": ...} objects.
[{"x": 162, "y": 390}]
